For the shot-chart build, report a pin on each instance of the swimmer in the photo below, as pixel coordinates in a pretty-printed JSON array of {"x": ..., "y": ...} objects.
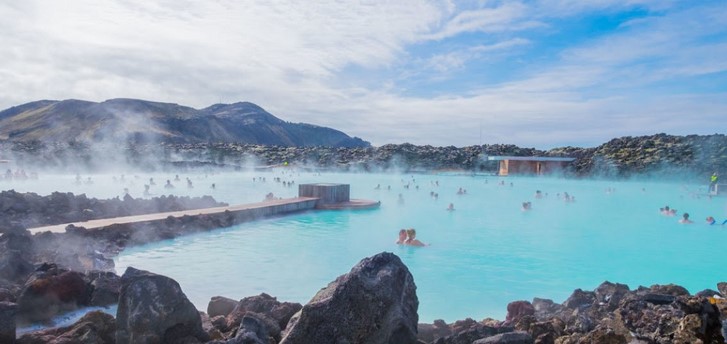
[
  {"x": 402, "y": 237},
  {"x": 401, "y": 199},
  {"x": 378, "y": 187},
  {"x": 213, "y": 186},
  {"x": 538, "y": 194},
  {"x": 412, "y": 240},
  {"x": 450, "y": 207},
  {"x": 527, "y": 206},
  {"x": 711, "y": 220},
  {"x": 168, "y": 185},
  {"x": 685, "y": 219}
]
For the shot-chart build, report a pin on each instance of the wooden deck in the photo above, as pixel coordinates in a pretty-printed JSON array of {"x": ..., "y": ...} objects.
[{"x": 251, "y": 210}]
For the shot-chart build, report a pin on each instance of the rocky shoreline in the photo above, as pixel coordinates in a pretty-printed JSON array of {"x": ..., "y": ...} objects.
[
  {"x": 375, "y": 302},
  {"x": 44, "y": 275},
  {"x": 666, "y": 156}
]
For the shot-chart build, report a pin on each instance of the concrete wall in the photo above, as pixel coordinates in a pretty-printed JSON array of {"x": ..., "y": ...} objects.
[{"x": 326, "y": 193}]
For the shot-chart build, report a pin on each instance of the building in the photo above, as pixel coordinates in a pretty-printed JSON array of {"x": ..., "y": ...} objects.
[{"x": 529, "y": 165}]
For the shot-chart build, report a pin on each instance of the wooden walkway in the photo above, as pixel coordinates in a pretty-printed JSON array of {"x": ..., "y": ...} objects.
[{"x": 260, "y": 209}]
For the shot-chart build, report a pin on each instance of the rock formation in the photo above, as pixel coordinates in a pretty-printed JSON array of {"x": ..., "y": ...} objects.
[
  {"x": 374, "y": 303},
  {"x": 153, "y": 309}
]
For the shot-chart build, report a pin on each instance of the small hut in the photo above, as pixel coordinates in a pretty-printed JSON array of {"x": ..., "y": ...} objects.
[{"x": 530, "y": 165}]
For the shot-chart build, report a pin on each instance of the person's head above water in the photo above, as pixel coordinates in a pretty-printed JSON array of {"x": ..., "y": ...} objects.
[{"x": 411, "y": 233}]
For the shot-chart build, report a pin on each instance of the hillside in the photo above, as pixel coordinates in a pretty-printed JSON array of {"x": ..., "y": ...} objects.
[{"x": 140, "y": 121}]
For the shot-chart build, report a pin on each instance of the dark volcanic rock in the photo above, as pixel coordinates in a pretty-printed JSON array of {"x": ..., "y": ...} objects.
[
  {"x": 153, "y": 309},
  {"x": 14, "y": 266},
  {"x": 580, "y": 298},
  {"x": 106, "y": 288},
  {"x": 473, "y": 333},
  {"x": 516, "y": 310},
  {"x": 545, "y": 308},
  {"x": 52, "y": 290},
  {"x": 93, "y": 328},
  {"x": 431, "y": 332},
  {"x": 8, "y": 311},
  {"x": 722, "y": 287},
  {"x": 610, "y": 294},
  {"x": 256, "y": 329},
  {"x": 262, "y": 304},
  {"x": 32, "y": 210},
  {"x": 507, "y": 338},
  {"x": 374, "y": 303},
  {"x": 687, "y": 320},
  {"x": 220, "y": 305}
]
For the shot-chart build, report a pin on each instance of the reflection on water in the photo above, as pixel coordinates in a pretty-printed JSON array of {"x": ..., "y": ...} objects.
[{"x": 483, "y": 255}]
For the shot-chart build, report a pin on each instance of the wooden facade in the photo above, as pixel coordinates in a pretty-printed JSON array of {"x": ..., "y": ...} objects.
[{"x": 530, "y": 165}]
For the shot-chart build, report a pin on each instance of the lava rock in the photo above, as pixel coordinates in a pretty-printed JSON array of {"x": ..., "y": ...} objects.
[
  {"x": 153, "y": 309},
  {"x": 580, "y": 298},
  {"x": 51, "y": 290},
  {"x": 106, "y": 288},
  {"x": 610, "y": 294},
  {"x": 472, "y": 334},
  {"x": 722, "y": 287},
  {"x": 14, "y": 266},
  {"x": 8, "y": 310},
  {"x": 220, "y": 305},
  {"x": 375, "y": 302},
  {"x": 95, "y": 327},
  {"x": 431, "y": 332},
  {"x": 545, "y": 308},
  {"x": 263, "y": 304},
  {"x": 507, "y": 338},
  {"x": 516, "y": 310}
]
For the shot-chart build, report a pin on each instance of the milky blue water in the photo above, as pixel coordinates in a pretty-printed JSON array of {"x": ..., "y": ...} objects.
[{"x": 483, "y": 255}]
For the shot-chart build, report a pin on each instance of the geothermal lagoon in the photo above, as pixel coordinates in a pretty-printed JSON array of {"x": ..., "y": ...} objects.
[{"x": 485, "y": 254}]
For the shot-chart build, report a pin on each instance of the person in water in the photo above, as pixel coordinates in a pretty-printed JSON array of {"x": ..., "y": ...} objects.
[
  {"x": 412, "y": 240},
  {"x": 527, "y": 206},
  {"x": 711, "y": 220},
  {"x": 685, "y": 218},
  {"x": 713, "y": 181},
  {"x": 169, "y": 185},
  {"x": 402, "y": 237},
  {"x": 450, "y": 207}
]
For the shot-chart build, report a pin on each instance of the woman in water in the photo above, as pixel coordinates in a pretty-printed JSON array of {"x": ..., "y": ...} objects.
[{"x": 412, "y": 240}]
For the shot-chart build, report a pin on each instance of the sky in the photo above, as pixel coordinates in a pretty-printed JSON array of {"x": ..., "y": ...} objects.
[{"x": 541, "y": 73}]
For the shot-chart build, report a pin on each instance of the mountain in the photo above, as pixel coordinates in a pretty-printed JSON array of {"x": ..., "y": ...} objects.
[{"x": 140, "y": 121}]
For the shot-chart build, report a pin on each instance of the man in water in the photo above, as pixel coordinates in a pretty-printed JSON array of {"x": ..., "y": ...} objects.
[
  {"x": 685, "y": 219},
  {"x": 402, "y": 237}
]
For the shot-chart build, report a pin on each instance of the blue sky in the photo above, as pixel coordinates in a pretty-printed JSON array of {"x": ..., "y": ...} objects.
[{"x": 538, "y": 74}]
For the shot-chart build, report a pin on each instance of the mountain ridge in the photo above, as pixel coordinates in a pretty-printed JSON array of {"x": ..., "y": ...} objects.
[{"x": 143, "y": 121}]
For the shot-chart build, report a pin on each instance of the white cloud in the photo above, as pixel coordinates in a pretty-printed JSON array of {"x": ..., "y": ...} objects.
[{"x": 294, "y": 59}]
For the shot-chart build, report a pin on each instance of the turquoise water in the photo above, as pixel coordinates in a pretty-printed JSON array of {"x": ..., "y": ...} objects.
[{"x": 483, "y": 255}]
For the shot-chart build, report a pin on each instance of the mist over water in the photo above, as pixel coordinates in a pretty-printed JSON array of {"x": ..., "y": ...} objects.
[{"x": 484, "y": 254}]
